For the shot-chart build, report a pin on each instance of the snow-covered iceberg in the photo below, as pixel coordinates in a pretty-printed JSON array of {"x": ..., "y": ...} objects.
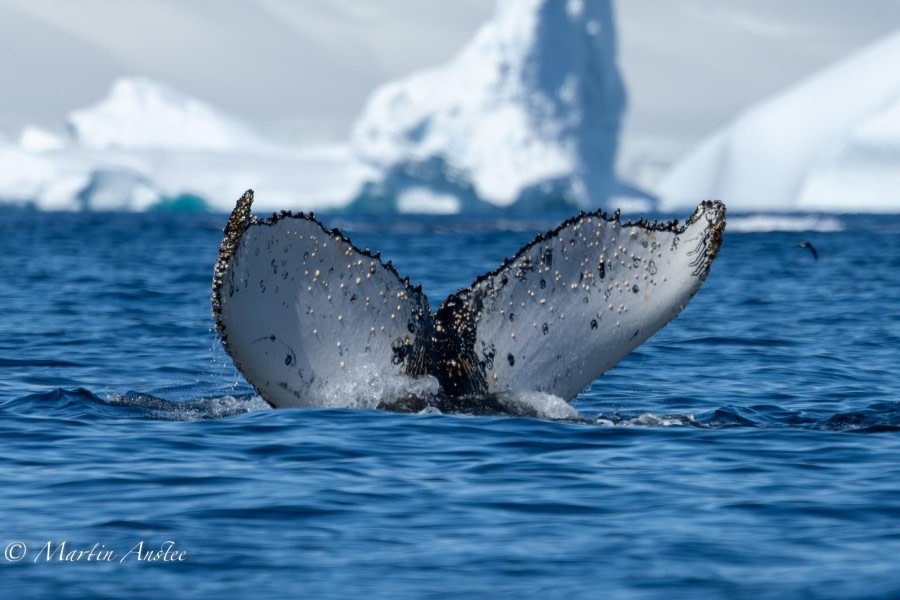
[
  {"x": 527, "y": 114},
  {"x": 148, "y": 146},
  {"x": 35, "y": 139},
  {"x": 830, "y": 143},
  {"x": 141, "y": 113},
  {"x": 528, "y": 111}
]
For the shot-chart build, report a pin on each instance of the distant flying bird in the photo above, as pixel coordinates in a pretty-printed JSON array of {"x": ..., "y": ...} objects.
[{"x": 811, "y": 249}]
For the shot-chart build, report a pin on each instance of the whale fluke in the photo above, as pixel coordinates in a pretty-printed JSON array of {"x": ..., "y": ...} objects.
[{"x": 300, "y": 309}]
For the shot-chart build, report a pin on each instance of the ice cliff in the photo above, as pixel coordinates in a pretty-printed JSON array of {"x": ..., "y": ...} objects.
[
  {"x": 530, "y": 109},
  {"x": 829, "y": 143}
]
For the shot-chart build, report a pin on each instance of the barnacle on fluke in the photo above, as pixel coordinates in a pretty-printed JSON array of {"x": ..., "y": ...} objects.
[{"x": 300, "y": 309}]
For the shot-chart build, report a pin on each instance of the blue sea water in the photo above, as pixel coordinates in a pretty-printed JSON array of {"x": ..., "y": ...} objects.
[{"x": 751, "y": 449}]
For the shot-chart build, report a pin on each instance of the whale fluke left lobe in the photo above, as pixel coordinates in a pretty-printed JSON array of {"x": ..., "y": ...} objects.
[{"x": 299, "y": 308}]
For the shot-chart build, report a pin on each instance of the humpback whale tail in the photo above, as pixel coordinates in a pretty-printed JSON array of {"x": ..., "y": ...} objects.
[{"x": 301, "y": 310}]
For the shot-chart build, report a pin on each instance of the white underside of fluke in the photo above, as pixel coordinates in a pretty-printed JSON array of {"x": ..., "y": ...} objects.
[
  {"x": 576, "y": 303},
  {"x": 310, "y": 320}
]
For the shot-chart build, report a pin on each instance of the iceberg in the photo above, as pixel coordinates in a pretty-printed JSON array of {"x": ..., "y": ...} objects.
[
  {"x": 141, "y": 113},
  {"x": 830, "y": 143},
  {"x": 36, "y": 179},
  {"x": 148, "y": 146},
  {"x": 527, "y": 115},
  {"x": 529, "y": 110},
  {"x": 36, "y": 139}
]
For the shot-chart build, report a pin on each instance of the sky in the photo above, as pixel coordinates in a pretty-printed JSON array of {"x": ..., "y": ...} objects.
[{"x": 301, "y": 71}]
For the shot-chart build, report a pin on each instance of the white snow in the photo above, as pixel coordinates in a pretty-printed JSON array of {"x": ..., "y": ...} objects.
[
  {"x": 35, "y": 139},
  {"x": 830, "y": 143},
  {"x": 530, "y": 108},
  {"x": 534, "y": 99},
  {"x": 28, "y": 177},
  {"x": 146, "y": 143},
  {"x": 140, "y": 113}
]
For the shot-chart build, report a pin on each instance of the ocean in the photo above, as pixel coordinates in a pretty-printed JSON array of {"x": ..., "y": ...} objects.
[{"x": 750, "y": 449}]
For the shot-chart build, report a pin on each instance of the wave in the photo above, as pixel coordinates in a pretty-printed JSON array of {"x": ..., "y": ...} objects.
[
  {"x": 875, "y": 418},
  {"x": 83, "y": 405},
  {"x": 80, "y": 403}
]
